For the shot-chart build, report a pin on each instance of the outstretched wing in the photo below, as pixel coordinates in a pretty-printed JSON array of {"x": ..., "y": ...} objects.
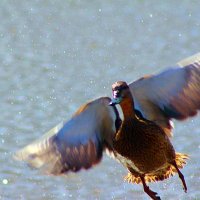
[
  {"x": 76, "y": 144},
  {"x": 174, "y": 93}
]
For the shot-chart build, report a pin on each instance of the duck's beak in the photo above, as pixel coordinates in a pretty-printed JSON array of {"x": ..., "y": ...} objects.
[{"x": 115, "y": 101}]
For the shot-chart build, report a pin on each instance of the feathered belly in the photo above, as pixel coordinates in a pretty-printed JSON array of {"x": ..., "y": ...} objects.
[
  {"x": 143, "y": 147},
  {"x": 134, "y": 168}
]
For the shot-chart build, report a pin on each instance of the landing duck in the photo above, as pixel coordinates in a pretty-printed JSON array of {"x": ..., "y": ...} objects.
[
  {"x": 97, "y": 126},
  {"x": 142, "y": 146}
]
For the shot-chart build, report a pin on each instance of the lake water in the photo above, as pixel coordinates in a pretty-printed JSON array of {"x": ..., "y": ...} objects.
[{"x": 56, "y": 55}]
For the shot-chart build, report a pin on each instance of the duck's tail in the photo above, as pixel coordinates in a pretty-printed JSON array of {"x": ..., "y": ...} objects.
[{"x": 161, "y": 174}]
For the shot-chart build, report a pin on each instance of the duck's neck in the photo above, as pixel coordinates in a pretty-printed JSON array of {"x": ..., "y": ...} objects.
[{"x": 127, "y": 106}]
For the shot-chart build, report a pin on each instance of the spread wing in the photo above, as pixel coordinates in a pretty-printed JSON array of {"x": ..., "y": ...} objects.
[
  {"x": 76, "y": 144},
  {"x": 174, "y": 93}
]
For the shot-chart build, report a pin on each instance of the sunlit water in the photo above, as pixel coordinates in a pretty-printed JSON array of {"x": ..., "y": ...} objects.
[{"x": 56, "y": 55}]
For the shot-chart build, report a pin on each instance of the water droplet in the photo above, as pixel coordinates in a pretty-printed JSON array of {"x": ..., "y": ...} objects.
[{"x": 5, "y": 181}]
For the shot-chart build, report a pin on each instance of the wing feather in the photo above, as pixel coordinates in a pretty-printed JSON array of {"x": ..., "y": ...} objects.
[
  {"x": 76, "y": 144},
  {"x": 174, "y": 93}
]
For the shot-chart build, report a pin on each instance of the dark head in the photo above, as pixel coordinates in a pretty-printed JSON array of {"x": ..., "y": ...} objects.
[{"x": 120, "y": 92}]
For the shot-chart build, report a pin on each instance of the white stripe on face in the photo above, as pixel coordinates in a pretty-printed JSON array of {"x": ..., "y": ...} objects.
[{"x": 115, "y": 94}]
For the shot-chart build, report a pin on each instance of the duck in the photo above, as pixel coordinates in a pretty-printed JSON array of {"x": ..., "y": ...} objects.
[
  {"x": 142, "y": 146},
  {"x": 149, "y": 105}
]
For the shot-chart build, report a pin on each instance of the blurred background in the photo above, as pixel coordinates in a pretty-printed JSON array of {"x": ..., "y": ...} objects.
[{"x": 56, "y": 55}]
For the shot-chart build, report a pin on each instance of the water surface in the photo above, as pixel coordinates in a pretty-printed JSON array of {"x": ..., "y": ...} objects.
[{"x": 56, "y": 55}]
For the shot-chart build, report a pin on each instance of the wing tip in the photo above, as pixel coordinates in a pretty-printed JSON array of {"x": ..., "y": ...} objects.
[
  {"x": 20, "y": 155},
  {"x": 189, "y": 60}
]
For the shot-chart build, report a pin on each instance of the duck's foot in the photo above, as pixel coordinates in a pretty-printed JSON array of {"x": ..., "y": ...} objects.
[
  {"x": 151, "y": 193},
  {"x": 181, "y": 176}
]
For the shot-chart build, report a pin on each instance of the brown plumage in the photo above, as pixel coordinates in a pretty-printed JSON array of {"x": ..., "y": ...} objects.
[{"x": 142, "y": 146}]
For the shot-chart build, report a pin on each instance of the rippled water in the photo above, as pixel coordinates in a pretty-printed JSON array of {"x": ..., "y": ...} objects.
[{"x": 56, "y": 55}]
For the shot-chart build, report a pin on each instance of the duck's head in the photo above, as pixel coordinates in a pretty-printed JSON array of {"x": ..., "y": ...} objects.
[{"x": 120, "y": 92}]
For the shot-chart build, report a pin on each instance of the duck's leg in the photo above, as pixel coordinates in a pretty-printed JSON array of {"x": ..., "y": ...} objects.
[
  {"x": 151, "y": 193},
  {"x": 181, "y": 176}
]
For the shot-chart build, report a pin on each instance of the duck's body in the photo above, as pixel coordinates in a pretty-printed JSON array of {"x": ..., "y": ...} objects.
[
  {"x": 143, "y": 148},
  {"x": 145, "y": 144}
]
